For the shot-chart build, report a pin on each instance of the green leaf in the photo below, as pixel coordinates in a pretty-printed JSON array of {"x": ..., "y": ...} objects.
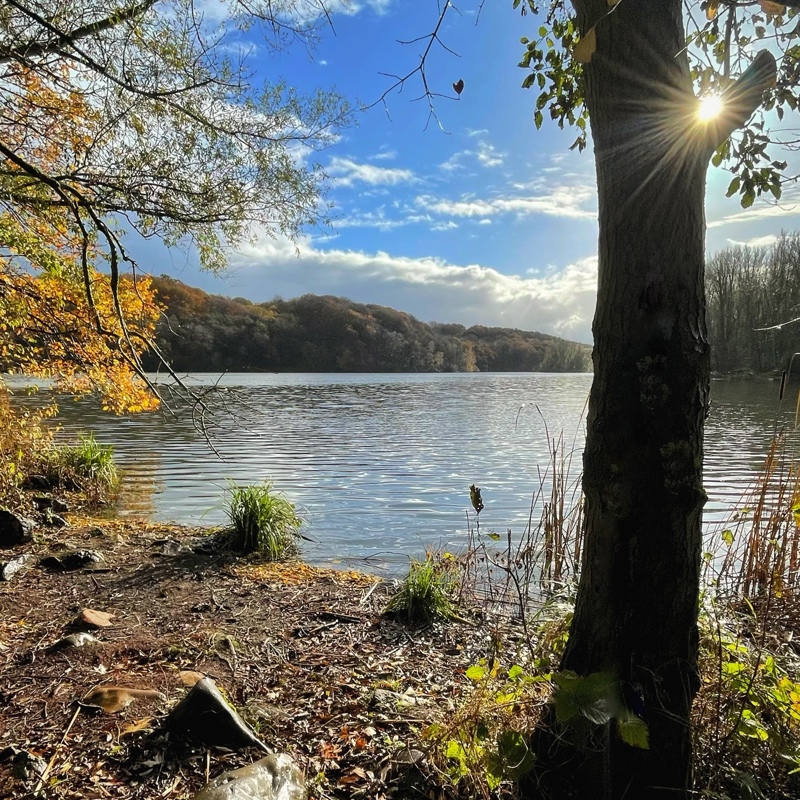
[
  {"x": 733, "y": 187},
  {"x": 748, "y": 198},
  {"x": 515, "y": 754},
  {"x": 495, "y": 537},
  {"x": 594, "y": 696},
  {"x": 515, "y": 672},
  {"x": 634, "y": 732},
  {"x": 538, "y": 119},
  {"x": 727, "y": 534},
  {"x": 543, "y": 31},
  {"x": 475, "y": 672}
]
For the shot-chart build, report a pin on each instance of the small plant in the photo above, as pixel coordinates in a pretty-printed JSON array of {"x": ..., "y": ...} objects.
[
  {"x": 426, "y": 593},
  {"x": 263, "y": 521},
  {"x": 87, "y": 466}
]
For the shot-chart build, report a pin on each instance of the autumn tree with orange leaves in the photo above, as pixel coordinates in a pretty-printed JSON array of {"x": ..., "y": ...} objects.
[{"x": 120, "y": 116}]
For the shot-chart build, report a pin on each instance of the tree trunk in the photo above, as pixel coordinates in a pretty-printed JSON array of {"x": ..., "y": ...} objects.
[{"x": 636, "y": 609}]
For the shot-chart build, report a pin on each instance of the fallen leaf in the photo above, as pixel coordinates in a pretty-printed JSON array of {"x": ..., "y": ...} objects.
[
  {"x": 113, "y": 699},
  {"x": 140, "y": 725},
  {"x": 584, "y": 49},
  {"x": 89, "y": 618},
  {"x": 190, "y": 677}
]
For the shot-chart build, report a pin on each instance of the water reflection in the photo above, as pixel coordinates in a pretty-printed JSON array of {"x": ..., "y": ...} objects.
[{"x": 382, "y": 463}]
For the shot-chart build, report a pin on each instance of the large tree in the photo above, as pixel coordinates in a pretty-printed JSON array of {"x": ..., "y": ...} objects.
[
  {"x": 629, "y": 67},
  {"x": 138, "y": 115}
]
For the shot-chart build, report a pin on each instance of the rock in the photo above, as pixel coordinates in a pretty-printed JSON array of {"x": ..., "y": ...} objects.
[
  {"x": 44, "y": 502},
  {"x": 59, "y": 506},
  {"x": 8, "y": 569},
  {"x": 68, "y": 562},
  {"x": 38, "y": 483},
  {"x": 275, "y": 777},
  {"x": 74, "y": 640},
  {"x": 24, "y": 765},
  {"x": 169, "y": 547},
  {"x": 205, "y": 715},
  {"x": 14, "y": 529},
  {"x": 91, "y": 619},
  {"x": 55, "y": 521}
]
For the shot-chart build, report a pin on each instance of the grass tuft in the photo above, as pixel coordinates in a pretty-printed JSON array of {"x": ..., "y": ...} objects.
[
  {"x": 263, "y": 521},
  {"x": 426, "y": 592},
  {"x": 87, "y": 466}
]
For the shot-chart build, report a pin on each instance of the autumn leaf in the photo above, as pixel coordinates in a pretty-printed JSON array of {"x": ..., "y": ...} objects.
[{"x": 584, "y": 49}]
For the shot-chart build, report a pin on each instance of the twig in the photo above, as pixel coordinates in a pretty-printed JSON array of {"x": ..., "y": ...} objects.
[{"x": 49, "y": 766}]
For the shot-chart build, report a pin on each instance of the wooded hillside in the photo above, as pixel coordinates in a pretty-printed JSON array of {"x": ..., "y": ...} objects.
[{"x": 202, "y": 332}]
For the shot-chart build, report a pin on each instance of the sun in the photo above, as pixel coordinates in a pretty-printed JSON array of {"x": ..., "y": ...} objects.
[{"x": 710, "y": 107}]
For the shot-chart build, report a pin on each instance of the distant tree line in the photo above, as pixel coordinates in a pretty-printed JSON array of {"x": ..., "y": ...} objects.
[
  {"x": 313, "y": 333},
  {"x": 750, "y": 288}
]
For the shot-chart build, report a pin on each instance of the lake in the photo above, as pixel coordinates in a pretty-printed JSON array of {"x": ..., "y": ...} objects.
[{"x": 381, "y": 465}]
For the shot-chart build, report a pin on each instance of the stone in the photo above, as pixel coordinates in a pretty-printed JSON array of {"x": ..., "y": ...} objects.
[
  {"x": 74, "y": 640},
  {"x": 38, "y": 483},
  {"x": 14, "y": 529},
  {"x": 8, "y": 569},
  {"x": 45, "y": 502},
  {"x": 55, "y": 520},
  {"x": 275, "y": 777},
  {"x": 24, "y": 765},
  {"x": 67, "y": 562},
  {"x": 205, "y": 715}
]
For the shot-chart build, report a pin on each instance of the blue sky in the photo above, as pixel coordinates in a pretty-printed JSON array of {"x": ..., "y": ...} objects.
[{"x": 487, "y": 222}]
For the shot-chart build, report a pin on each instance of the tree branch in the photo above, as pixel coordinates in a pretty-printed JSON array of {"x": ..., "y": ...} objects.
[
  {"x": 62, "y": 40},
  {"x": 743, "y": 97}
]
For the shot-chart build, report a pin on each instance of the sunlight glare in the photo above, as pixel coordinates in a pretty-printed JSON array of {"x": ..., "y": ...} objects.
[{"x": 710, "y": 107}]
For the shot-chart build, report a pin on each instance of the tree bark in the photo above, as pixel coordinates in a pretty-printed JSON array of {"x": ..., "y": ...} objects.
[{"x": 636, "y": 609}]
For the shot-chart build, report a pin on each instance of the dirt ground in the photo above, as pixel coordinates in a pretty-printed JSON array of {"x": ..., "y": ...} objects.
[{"x": 304, "y": 654}]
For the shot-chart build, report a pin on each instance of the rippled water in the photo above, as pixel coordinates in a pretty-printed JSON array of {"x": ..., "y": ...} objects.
[{"x": 381, "y": 464}]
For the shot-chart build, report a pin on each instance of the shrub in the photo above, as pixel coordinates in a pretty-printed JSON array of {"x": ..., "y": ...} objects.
[
  {"x": 263, "y": 521},
  {"x": 24, "y": 435},
  {"x": 426, "y": 592}
]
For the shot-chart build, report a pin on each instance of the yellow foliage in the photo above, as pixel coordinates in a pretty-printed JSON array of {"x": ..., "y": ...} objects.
[
  {"x": 49, "y": 328},
  {"x": 22, "y": 436}
]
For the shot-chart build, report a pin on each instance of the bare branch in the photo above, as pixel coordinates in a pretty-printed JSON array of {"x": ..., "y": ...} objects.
[{"x": 420, "y": 69}]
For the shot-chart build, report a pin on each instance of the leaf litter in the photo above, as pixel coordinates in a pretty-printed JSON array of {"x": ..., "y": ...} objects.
[{"x": 304, "y": 654}]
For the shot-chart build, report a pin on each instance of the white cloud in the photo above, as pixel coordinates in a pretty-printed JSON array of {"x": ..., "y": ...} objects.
[
  {"x": 756, "y": 213},
  {"x": 347, "y": 172},
  {"x": 353, "y": 7},
  {"x": 384, "y": 155},
  {"x": 757, "y": 241},
  {"x": 561, "y": 302},
  {"x": 575, "y": 202},
  {"x": 486, "y": 155}
]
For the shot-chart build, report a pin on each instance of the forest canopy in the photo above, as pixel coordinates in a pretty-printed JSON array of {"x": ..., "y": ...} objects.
[{"x": 331, "y": 334}]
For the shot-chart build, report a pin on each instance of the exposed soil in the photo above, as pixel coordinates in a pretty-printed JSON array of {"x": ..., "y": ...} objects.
[{"x": 304, "y": 654}]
